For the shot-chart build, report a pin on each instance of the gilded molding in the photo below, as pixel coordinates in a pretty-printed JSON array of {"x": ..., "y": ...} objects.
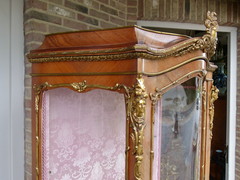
[
  {"x": 213, "y": 98},
  {"x": 137, "y": 119},
  {"x": 149, "y": 74},
  {"x": 154, "y": 98},
  {"x": 137, "y": 51},
  {"x": 159, "y": 92},
  {"x": 203, "y": 139},
  {"x": 38, "y": 90},
  {"x": 81, "y": 86},
  {"x": 85, "y": 74}
]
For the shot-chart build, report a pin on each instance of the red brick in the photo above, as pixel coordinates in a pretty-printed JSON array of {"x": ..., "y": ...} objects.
[
  {"x": 122, "y": 15},
  {"x": 132, "y": 10},
  {"x": 35, "y": 26},
  {"x": 75, "y": 6},
  {"x": 175, "y": 9},
  {"x": 29, "y": 45},
  {"x": 28, "y": 80},
  {"x": 42, "y": 16},
  {"x": 60, "y": 11},
  {"x": 60, "y": 2},
  {"x": 28, "y": 136},
  {"x": 180, "y": 10},
  {"x": 28, "y": 93},
  {"x": 131, "y": 17},
  {"x": 28, "y": 125},
  {"x": 229, "y": 11},
  {"x": 106, "y": 25},
  {"x": 27, "y": 103},
  {"x": 35, "y": 4},
  {"x": 87, "y": 19},
  {"x": 93, "y": 27},
  {"x": 98, "y": 14},
  {"x": 187, "y": 9},
  {"x": 235, "y": 13},
  {"x": 95, "y": 5},
  {"x": 28, "y": 167},
  {"x": 104, "y": 1},
  {"x": 113, "y": 3},
  {"x": 58, "y": 29},
  {"x": 28, "y": 176},
  {"x": 109, "y": 10},
  {"x": 74, "y": 24},
  {"x": 28, "y": 159},
  {"x": 211, "y": 5},
  {"x": 121, "y": 7},
  {"x": 123, "y": 1},
  {"x": 117, "y": 21},
  {"x": 140, "y": 9},
  {"x": 132, "y": 2}
]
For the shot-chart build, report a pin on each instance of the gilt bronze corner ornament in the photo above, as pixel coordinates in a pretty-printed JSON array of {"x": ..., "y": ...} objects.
[
  {"x": 137, "y": 120},
  {"x": 209, "y": 40},
  {"x": 207, "y": 43},
  {"x": 213, "y": 98}
]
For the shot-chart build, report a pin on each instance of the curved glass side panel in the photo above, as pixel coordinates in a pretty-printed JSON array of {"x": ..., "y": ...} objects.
[
  {"x": 177, "y": 133},
  {"x": 83, "y": 135}
]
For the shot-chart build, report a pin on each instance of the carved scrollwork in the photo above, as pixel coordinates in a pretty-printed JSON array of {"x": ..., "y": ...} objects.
[
  {"x": 213, "y": 98},
  {"x": 137, "y": 119},
  {"x": 207, "y": 42}
]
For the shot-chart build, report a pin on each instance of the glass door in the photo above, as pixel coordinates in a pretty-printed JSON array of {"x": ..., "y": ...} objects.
[{"x": 177, "y": 132}]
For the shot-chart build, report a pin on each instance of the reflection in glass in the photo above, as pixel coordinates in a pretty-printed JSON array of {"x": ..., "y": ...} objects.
[
  {"x": 177, "y": 135},
  {"x": 83, "y": 135}
]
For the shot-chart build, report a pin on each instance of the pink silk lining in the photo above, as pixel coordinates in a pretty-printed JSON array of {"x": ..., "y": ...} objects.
[{"x": 83, "y": 135}]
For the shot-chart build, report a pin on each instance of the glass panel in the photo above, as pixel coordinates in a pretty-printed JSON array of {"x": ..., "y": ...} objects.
[
  {"x": 177, "y": 133},
  {"x": 83, "y": 135}
]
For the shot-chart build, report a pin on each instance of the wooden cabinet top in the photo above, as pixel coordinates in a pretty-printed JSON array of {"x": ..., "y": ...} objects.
[
  {"x": 119, "y": 43},
  {"x": 108, "y": 39}
]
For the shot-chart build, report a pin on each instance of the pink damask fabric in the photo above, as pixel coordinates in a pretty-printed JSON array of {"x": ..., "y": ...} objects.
[{"x": 83, "y": 135}]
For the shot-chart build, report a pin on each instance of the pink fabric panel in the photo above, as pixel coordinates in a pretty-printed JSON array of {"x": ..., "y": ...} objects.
[{"x": 83, "y": 135}]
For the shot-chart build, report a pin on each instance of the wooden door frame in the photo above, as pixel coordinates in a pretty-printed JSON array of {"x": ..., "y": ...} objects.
[{"x": 232, "y": 83}]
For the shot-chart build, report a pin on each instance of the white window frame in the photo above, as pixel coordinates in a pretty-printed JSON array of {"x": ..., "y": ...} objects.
[
  {"x": 12, "y": 90},
  {"x": 232, "y": 83}
]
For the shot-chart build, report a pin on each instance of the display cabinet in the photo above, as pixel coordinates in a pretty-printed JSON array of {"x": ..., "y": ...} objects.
[{"x": 123, "y": 103}]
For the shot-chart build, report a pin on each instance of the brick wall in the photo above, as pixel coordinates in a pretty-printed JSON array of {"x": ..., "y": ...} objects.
[
  {"x": 190, "y": 11},
  {"x": 51, "y": 16}
]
